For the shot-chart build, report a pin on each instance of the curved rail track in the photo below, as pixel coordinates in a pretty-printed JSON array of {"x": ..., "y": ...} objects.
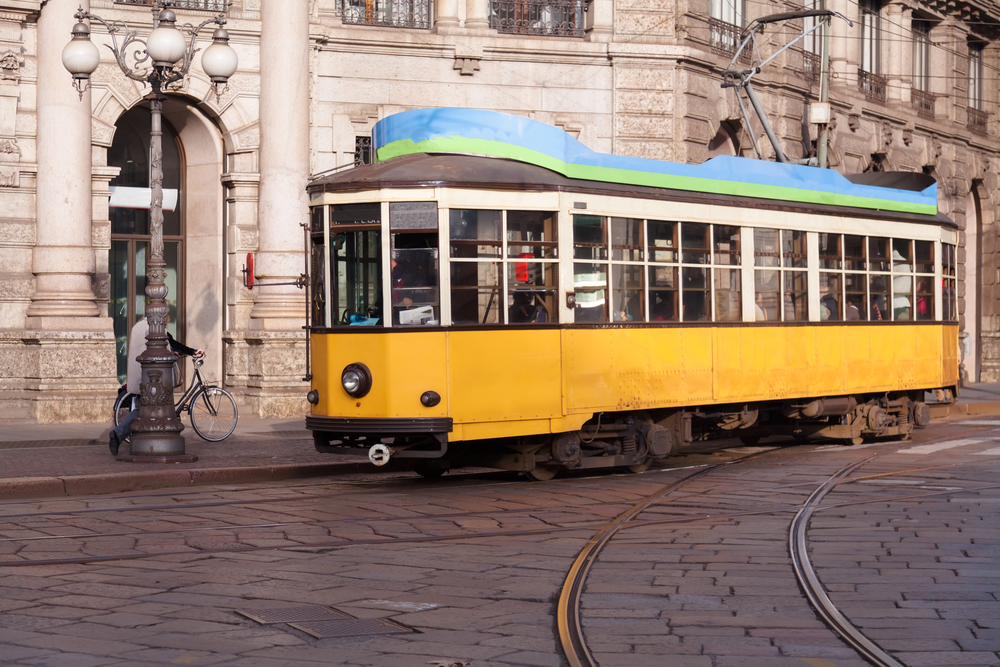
[{"x": 569, "y": 624}]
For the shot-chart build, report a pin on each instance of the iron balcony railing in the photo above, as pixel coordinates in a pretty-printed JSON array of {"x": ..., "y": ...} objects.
[
  {"x": 810, "y": 66},
  {"x": 387, "y": 13},
  {"x": 872, "y": 85},
  {"x": 923, "y": 103},
  {"x": 725, "y": 39},
  {"x": 199, "y": 5},
  {"x": 977, "y": 121},
  {"x": 559, "y": 18}
]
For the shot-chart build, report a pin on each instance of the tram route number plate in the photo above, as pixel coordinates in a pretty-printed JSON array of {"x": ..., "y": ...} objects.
[{"x": 413, "y": 215}]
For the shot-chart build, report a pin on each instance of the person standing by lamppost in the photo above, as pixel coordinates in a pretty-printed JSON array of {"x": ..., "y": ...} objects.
[{"x": 163, "y": 63}]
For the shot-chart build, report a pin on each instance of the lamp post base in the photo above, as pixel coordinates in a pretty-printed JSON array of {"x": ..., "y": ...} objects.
[{"x": 163, "y": 447}]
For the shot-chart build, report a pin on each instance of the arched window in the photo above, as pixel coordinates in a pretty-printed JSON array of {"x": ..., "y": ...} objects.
[{"x": 130, "y": 234}]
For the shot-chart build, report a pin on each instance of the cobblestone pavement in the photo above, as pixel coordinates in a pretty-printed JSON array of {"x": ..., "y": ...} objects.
[{"x": 471, "y": 565}]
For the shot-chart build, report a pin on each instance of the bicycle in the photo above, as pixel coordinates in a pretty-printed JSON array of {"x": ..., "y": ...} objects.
[{"x": 211, "y": 408}]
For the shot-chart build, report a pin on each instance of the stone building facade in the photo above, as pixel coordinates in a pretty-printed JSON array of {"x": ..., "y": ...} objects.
[{"x": 914, "y": 88}]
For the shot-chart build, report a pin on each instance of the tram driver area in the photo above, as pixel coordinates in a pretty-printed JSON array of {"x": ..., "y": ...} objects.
[{"x": 546, "y": 316}]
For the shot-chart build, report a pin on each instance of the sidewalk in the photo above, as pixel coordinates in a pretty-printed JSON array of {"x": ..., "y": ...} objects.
[{"x": 46, "y": 460}]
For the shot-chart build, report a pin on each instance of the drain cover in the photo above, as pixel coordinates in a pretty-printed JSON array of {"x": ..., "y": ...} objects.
[
  {"x": 350, "y": 627},
  {"x": 291, "y": 614}
]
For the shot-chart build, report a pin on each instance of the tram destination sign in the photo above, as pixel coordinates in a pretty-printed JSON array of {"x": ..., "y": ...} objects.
[{"x": 413, "y": 215}]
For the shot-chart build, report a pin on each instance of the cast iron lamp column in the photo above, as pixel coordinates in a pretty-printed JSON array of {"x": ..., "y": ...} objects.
[{"x": 165, "y": 61}]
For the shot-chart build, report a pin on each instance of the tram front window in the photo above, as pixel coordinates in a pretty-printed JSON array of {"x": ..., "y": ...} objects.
[
  {"x": 356, "y": 264},
  {"x": 414, "y": 279},
  {"x": 358, "y": 285}
]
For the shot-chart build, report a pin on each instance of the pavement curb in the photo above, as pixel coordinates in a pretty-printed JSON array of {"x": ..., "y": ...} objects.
[
  {"x": 122, "y": 482},
  {"x": 959, "y": 410}
]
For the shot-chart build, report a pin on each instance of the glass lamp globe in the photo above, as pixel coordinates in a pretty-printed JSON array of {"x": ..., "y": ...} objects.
[
  {"x": 219, "y": 60},
  {"x": 80, "y": 56},
  {"x": 166, "y": 43}
]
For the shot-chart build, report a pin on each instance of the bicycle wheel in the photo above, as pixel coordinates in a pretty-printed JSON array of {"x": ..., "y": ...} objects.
[
  {"x": 123, "y": 406},
  {"x": 213, "y": 413}
]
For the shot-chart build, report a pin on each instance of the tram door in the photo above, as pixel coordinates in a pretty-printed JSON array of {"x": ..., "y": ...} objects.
[{"x": 130, "y": 232}]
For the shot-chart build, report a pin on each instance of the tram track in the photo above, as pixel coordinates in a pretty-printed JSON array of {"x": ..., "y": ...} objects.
[{"x": 569, "y": 624}]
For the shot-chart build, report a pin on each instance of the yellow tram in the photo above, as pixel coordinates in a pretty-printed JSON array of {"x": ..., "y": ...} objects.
[{"x": 491, "y": 292}]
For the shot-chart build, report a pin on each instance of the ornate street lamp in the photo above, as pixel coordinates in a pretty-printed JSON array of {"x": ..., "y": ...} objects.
[{"x": 163, "y": 63}]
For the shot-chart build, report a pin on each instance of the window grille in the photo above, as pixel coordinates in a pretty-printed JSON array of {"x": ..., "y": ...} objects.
[
  {"x": 198, "y": 5},
  {"x": 977, "y": 121},
  {"x": 388, "y": 13},
  {"x": 725, "y": 39},
  {"x": 810, "y": 66},
  {"x": 362, "y": 151},
  {"x": 923, "y": 103},
  {"x": 872, "y": 85},
  {"x": 559, "y": 18}
]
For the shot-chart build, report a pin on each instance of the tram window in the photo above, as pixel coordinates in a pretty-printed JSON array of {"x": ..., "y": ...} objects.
[
  {"x": 878, "y": 254},
  {"x": 727, "y": 295},
  {"x": 854, "y": 253},
  {"x": 694, "y": 294},
  {"x": 726, "y": 245},
  {"x": 878, "y": 295},
  {"x": 589, "y": 240},
  {"x": 949, "y": 305},
  {"x": 765, "y": 247},
  {"x": 531, "y": 234},
  {"x": 626, "y": 239},
  {"x": 766, "y": 289},
  {"x": 357, "y": 288},
  {"x": 663, "y": 301},
  {"x": 476, "y": 296},
  {"x": 694, "y": 243},
  {"x": 532, "y": 288},
  {"x": 661, "y": 241},
  {"x": 475, "y": 233},
  {"x": 626, "y": 293},
  {"x": 902, "y": 285},
  {"x": 793, "y": 249},
  {"x": 829, "y": 251},
  {"x": 318, "y": 280},
  {"x": 925, "y": 298},
  {"x": 830, "y": 297},
  {"x": 796, "y": 308},
  {"x": 415, "y": 278},
  {"x": 924, "y": 256},
  {"x": 855, "y": 296},
  {"x": 590, "y": 283},
  {"x": 475, "y": 293}
]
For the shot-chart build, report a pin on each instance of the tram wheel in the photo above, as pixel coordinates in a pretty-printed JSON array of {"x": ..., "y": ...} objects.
[
  {"x": 540, "y": 473},
  {"x": 850, "y": 442},
  {"x": 430, "y": 473},
  {"x": 750, "y": 440}
]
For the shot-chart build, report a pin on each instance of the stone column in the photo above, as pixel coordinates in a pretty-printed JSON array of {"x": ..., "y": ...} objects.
[
  {"x": 284, "y": 162},
  {"x": 445, "y": 14},
  {"x": 275, "y": 340},
  {"x": 477, "y": 14},
  {"x": 63, "y": 261},
  {"x": 600, "y": 21},
  {"x": 844, "y": 44},
  {"x": 896, "y": 36}
]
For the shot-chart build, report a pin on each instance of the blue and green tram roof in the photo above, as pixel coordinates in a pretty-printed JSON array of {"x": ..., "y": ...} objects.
[{"x": 459, "y": 147}]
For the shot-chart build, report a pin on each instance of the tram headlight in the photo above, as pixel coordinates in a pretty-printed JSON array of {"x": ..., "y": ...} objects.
[{"x": 356, "y": 380}]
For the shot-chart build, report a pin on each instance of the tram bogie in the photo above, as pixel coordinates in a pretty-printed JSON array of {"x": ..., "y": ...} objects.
[{"x": 535, "y": 315}]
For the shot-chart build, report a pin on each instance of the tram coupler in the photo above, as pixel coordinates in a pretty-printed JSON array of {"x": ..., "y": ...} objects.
[{"x": 379, "y": 454}]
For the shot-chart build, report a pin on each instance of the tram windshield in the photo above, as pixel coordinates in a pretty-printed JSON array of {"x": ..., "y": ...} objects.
[{"x": 356, "y": 264}]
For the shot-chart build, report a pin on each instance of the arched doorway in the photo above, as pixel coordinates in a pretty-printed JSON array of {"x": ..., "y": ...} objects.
[
  {"x": 130, "y": 227},
  {"x": 193, "y": 231}
]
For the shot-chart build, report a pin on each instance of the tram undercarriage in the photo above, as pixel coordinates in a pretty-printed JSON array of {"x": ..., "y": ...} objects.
[{"x": 634, "y": 440}]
